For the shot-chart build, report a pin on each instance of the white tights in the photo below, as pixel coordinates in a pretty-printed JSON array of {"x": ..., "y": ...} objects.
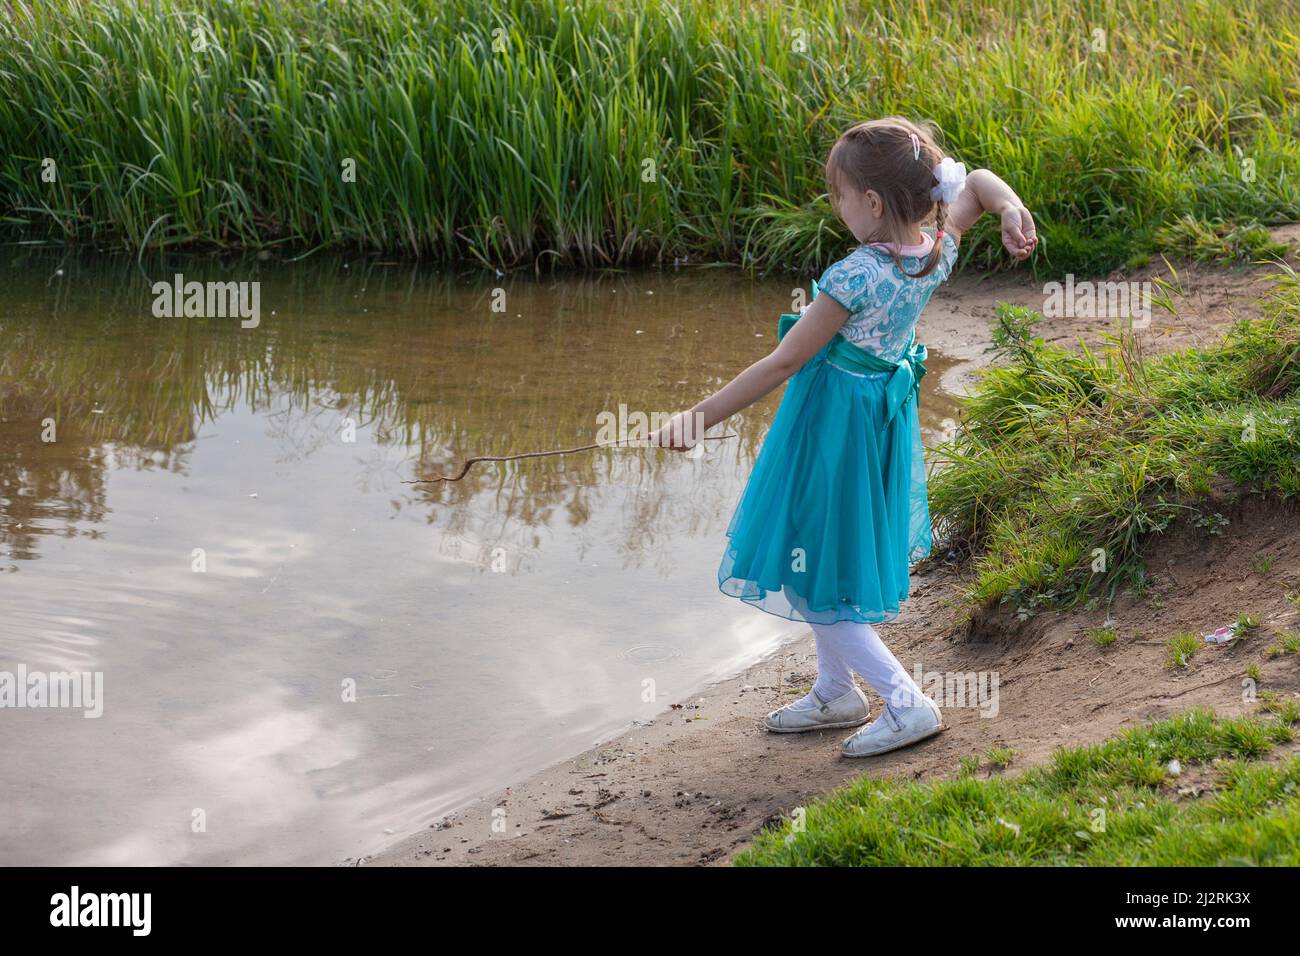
[{"x": 847, "y": 647}]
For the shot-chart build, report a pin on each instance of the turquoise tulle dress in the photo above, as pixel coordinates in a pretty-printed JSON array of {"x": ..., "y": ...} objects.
[{"x": 835, "y": 510}]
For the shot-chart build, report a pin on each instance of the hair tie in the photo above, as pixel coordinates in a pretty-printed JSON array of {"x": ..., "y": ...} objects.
[
  {"x": 916, "y": 146},
  {"x": 951, "y": 180}
]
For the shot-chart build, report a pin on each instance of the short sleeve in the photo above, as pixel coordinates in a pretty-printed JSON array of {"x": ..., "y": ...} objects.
[
  {"x": 947, "y": 256},
  {"x": 843, "y": 284}
]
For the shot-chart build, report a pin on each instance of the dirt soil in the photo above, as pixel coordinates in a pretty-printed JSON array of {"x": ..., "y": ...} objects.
[{"x": 695, "y": 785}]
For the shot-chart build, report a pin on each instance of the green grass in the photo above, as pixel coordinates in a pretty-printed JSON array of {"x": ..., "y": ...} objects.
[
  {"x": 1286, "y": 710},
  {"x": 525, "y": 132},
  {"x": 1103, "y": 636},
  {"x": 1289, "y": 644},
  {"x": 1180, "y": 649},
  {"x": 1115, "y": 804},
  {"x": 1069, "y": 462},
  {"x": 999, "y": 758},
  {"x": 1189, "y": 238}
]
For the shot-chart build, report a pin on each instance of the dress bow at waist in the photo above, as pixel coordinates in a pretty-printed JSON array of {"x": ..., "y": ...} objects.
[{"x": 905, "y": 374}]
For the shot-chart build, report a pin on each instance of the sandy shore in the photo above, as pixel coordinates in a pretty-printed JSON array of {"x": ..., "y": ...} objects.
[{"x": 696, "y": 784}]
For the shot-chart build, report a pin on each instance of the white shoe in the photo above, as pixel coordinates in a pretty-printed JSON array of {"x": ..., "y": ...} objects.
[
  {"x": 894, "y": 729},
  {"x": 849, "y": 710}
]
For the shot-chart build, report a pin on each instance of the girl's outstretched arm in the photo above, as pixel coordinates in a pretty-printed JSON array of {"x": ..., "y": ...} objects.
[
  {"x": 985, "y": 192},
  {"x": 815, "y": 328}
]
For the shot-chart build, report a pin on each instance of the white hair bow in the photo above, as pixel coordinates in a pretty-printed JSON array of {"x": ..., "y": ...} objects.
[{"x": 952, "y": 180}]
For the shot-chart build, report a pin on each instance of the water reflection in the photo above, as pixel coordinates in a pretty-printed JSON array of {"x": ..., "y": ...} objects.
[{"x": 354, "y": 654}]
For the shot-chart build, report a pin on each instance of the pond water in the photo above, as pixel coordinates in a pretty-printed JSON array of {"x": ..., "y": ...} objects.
[{"x": 303, "y": 658}]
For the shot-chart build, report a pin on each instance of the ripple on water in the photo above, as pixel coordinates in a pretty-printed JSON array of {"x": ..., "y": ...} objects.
[{"x": 652, "y": 653}]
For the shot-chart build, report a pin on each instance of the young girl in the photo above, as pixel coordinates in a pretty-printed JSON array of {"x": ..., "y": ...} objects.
[{"x": 835, "y": 509}]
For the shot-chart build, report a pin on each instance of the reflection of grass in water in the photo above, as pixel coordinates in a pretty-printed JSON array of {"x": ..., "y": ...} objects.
[
  {"x": 426, "y": 367},
  {"x": 537, "y": 150},
  {"x": 108, "y": 371}
]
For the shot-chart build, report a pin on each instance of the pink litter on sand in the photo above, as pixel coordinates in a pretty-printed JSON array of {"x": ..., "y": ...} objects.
[{"x": 1222, "y": 635}]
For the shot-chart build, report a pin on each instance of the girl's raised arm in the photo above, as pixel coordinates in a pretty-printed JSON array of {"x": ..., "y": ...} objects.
[{"x": 985, "y": 192}]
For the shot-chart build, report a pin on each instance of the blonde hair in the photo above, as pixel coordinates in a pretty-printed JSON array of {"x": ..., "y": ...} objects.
[{"x": 879, "y": 155}]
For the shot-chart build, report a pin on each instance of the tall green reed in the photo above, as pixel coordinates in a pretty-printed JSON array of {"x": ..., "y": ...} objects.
[{"x": 585, "y": 133}]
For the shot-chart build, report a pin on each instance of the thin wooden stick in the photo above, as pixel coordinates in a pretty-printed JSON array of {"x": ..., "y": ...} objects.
[{"x": 464, "y": 468}]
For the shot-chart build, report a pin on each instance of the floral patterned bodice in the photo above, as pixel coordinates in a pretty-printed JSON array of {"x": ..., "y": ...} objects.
[{"x": 883, "y": 303}]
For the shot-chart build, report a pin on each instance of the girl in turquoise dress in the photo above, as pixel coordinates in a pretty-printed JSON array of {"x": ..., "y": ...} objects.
[{"x": 835, "y": 509}]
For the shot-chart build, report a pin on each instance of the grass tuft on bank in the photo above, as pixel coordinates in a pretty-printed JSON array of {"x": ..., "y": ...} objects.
[
  {"x": 1121, "y": 803},
  {"x": 1069, "y": 461},
  {"x": 591, "y": 133}
]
